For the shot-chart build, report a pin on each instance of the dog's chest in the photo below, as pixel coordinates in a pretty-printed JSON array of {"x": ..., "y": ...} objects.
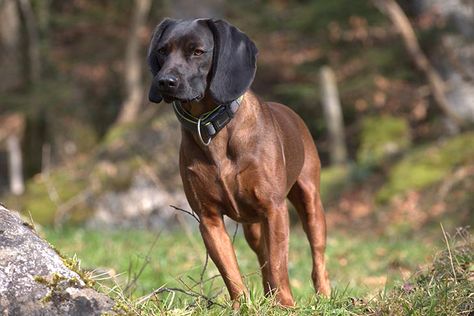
[{"x": 231, "y": 186}]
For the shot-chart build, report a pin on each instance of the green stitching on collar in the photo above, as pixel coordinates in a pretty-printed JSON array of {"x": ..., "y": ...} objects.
[{"x": 194, "y": 119}]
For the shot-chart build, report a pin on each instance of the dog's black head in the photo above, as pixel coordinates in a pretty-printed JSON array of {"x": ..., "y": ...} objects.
[{"x": 193, "y": 58}]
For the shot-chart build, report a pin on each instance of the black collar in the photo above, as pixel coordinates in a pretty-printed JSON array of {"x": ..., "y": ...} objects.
[{"x": 210, "y": 123}]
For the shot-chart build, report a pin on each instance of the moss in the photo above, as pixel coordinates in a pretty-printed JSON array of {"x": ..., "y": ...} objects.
[
  {"x": 382, "y": 137},
  {"x": 428, "y": 165},
  {"x": 37, "y": 200},
  {"x": 333, "y": 182},
  {"x": 74, "y": 265},
  {"x": 122, "y": 308},
  {"x": 55, "y": 284},
  {"x": 41, "y": 280}
]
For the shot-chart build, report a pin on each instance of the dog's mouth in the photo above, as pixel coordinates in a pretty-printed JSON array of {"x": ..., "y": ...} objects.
[{"x": 170, "y": 98}]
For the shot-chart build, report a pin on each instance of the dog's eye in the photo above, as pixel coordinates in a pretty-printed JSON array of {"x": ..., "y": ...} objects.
[
  {"x": 198, "y": 52},
  {"x": 162, "y": 51}
]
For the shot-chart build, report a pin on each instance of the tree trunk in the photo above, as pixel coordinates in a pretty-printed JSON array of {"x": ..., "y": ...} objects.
[
  {"x": 10, "y": 34},
  {"x": 43, "y": 9},
  {"x": 31, "y": 26},
  {"x": 15, "y": 165},
  {"x": 401, "y": 22},
  {"x": 133, "y": 65},
  {"x": 333, "y": 116}
]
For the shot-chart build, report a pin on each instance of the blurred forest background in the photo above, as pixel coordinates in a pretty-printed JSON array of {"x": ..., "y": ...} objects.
[
  {"x": 81, "y": 145},
  {"x": 73, "y": 103}
]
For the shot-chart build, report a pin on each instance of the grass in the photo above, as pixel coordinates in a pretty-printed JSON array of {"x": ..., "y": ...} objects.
[
  {"x": 446, "y": 287},
  {"x": 364, "y": 268}
]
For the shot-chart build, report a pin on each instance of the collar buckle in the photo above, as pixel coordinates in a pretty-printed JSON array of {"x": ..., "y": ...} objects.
[{"x": 209, "y": 123}]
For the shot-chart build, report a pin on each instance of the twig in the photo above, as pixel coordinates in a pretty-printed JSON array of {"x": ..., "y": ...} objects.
[
  {"x": 202, "y": 282},
  {"x": 449, "y": 252},
  {"x": 209, "y": 300},
  {"x": 132, "y": 282},
  {"x": 187, "y": 212},
  {"x": 235, "y": 232},
  {"x": 32, "y": 222},
  {"x": 206, "y": 261},
  {"x": 204, "y": 268},
  {"x": 150, "y": 173}
]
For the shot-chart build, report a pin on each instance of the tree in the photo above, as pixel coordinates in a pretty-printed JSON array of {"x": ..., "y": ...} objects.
[
  {"x": 10, "y": 42},
  {"x": 333, "y": 116},
  {"x": 133, "y": 65},
  {"x": 31, "y": 27},
  {"x": 12, "y": 127},
  {"x": 437, "y": 86}
]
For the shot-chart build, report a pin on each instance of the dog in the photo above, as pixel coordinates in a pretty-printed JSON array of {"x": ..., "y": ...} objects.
[{"x": 239, "y": 156}]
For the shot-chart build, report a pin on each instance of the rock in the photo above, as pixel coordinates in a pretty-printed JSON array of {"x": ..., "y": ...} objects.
[
  {"x": 34, "y": 279},
  {"x": 144, "y": 204}
]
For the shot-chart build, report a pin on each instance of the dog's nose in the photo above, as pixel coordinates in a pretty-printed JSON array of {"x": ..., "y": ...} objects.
[{"x": 168, "y": 82}]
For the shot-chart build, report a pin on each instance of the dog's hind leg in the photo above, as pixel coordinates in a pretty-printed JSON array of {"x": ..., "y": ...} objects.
[{"x": 304, "y": 195}]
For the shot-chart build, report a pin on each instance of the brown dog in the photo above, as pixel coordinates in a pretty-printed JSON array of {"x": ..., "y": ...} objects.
[{"x": 239, "y": 156}]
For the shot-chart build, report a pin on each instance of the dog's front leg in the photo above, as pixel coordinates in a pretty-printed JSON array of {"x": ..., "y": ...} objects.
[
  {"x": 221, "y": 251},
  {"x": 276, "y": 233}
]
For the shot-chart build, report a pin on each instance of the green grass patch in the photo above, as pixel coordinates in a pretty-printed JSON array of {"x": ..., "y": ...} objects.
[
  {"x": 444, "y": 288},
  {"x": 361, "y": 265}
]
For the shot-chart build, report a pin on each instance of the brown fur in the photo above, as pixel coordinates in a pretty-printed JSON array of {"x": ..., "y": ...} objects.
[{"x": 264, "y": 155}]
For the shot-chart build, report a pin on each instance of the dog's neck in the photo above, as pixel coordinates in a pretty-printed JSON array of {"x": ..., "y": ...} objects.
[
  {"x": 244, "y": 120},
  {"x": 198, "y": 108}
]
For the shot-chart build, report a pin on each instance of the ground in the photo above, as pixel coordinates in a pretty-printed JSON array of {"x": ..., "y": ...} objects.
[{"x": 362, "y": 265}]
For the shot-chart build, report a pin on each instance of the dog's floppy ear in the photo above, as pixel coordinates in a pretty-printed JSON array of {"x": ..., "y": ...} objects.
[
  {"x": 233, "y": 64},
  {"x": 151, "y": 57}
]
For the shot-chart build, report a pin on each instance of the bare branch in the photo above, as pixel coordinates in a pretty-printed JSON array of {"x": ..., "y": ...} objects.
[
  {"x": 401, "y": 22},
  {"x": 187, "y": 212},
  {"x": 235, "y": 232}
]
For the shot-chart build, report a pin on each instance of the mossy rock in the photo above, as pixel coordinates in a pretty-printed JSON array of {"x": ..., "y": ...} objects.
[
  {"x": 382, "y": 137},
  {"x": 425, "y": 166}
]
